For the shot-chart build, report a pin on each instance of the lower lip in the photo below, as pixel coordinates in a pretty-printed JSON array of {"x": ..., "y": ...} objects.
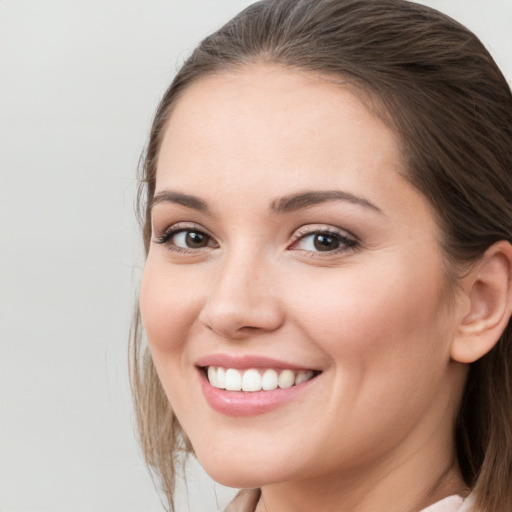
[{"x": 249, "y": 403}]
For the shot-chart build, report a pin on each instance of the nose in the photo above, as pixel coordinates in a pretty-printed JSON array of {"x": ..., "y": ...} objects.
[{"x": 242, "y": 299}]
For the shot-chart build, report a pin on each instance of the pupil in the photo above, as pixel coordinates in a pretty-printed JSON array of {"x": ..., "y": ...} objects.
[
  {"x": 195, "y": 240},
  {"x": 326, "y": 243}
]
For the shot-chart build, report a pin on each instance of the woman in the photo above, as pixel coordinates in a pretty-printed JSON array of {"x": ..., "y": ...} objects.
[{"x": 326, "y": 297}]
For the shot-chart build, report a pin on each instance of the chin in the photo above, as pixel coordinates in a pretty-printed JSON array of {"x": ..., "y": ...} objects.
[
  {"x": 237, "y": 481},
  {"x": 242, "y": 474}
]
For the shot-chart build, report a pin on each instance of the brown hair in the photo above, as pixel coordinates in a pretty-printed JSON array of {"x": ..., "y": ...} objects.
[{"x": 435, "y": 84}]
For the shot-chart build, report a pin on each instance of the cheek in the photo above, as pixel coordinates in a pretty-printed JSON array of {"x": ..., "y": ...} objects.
[
  {"x": 387, "y": 337},
  {"x": 393, "y": 315},
  {"x": 169, "y": 305}
]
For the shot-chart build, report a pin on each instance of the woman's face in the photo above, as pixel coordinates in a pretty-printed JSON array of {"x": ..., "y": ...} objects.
[{"x": 285, "y": 241}]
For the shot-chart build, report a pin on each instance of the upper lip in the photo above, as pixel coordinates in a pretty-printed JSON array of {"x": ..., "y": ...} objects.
[{"x": 248, "y": 361}]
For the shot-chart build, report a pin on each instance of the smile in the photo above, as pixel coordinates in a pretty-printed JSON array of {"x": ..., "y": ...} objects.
[
  {"x": 252, "y": 380},
  {"x": 252, "y": 385}
]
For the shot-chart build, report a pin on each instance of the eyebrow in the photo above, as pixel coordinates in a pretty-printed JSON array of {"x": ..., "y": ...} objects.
[
  {"x": 169, "y": 196},
  {"x": 286, "y": 204},
  {"x": 303, "y": 200}
]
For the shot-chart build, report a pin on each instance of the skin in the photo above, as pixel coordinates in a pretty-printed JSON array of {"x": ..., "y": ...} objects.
[{"x": 374, "y": 430}]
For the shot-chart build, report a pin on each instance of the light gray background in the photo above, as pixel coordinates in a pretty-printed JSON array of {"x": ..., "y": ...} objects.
[{"x": 79, "y": 82}]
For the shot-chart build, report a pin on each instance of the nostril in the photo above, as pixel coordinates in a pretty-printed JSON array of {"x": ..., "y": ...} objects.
[{"x": 233, "y": 312}]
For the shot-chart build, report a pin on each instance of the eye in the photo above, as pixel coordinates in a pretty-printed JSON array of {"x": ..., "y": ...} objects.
[
  {"x": 190, "y": 239},
  {"x": 185, "y": 239},
  {"x": 322, "y": 241}
]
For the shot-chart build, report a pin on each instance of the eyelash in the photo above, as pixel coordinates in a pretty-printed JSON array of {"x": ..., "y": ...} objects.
[
  {"x": 164, "y": 238},
  {"x": 347, "y": 243}
]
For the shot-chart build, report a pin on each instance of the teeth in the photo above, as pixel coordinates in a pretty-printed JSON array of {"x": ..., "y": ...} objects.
[
  {"x": 212, "y": 376},
  {"x": 269, "y": 380},
  {"x": 221, "y": 379},
  {"x": 286, "y": 379},
  {"x": 253, "y": 380},
  {"x": 303, "y": 377},
  {"x": 233, "y": 380}
]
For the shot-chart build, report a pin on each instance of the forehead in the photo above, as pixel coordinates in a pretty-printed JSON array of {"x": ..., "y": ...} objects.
[{"x": 271, "y": 119}]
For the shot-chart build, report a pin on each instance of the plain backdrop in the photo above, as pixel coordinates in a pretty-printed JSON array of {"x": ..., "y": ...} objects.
[{"x": 79, "y": 82}]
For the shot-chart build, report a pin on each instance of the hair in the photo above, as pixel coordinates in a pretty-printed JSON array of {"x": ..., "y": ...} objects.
[{"x": 433, "y": 82}]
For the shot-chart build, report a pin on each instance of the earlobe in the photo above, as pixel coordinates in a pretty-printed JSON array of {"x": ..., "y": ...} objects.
[{"x": 488, "y": 291}]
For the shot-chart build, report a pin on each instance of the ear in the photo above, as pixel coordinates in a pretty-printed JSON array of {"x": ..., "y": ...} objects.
[{"x": 488, "y": 293}]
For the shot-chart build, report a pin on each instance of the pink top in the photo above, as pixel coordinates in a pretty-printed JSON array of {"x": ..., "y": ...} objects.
[
  {"x": 246, "y": 500},
  {"x": 451, "y": 504}
]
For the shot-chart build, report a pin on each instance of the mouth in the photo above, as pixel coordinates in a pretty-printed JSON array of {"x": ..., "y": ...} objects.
[
  {"x": 256, "y": 379},
  {"x": 248, "y": 385}
]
